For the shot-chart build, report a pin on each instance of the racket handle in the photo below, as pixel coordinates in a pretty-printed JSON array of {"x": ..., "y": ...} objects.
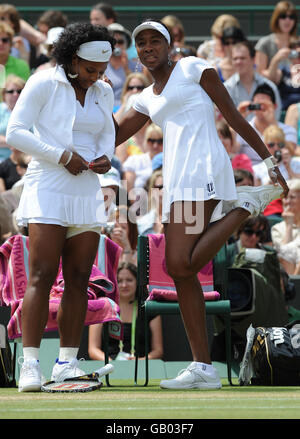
[{"x": 108, "y": 368}]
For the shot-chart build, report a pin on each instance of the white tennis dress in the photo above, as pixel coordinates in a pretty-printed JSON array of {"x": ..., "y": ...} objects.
[
  {"x": 196, "y": 165},
  {"x": 51, "y": 194}
]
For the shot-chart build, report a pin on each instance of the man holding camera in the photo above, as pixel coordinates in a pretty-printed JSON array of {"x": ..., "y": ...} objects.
[
  {"x": 263, "y": 106},
  {"x": 242, "y": 84}
]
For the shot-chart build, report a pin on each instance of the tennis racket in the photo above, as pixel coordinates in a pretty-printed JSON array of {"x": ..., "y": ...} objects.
[{"x": 84, "y": 383}]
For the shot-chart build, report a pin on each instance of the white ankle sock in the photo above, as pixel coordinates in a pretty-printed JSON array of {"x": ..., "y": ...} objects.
[
  {"x": 208, "y": 368},
  {"x": 66, "y": 354},
  {"x": 31, "y": 353}
]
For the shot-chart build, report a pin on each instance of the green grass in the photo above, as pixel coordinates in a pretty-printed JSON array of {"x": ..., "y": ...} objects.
[{"x": 124, "y": 401}]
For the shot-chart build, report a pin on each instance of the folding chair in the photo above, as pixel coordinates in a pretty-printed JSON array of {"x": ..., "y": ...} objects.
[
  {"x": 157, "y": 293},
  {"x": 103, "y": 292}
]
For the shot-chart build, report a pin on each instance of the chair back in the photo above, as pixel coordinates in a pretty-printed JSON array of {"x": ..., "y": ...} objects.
[{"x": 159, "y": 284}]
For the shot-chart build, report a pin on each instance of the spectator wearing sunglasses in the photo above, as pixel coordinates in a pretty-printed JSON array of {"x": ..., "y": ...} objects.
[
  {"x": 138, "y": 168},
  {"x": 289, "y": 165},
  {"x": 134, "y": 84},
  {"x": 119, "y": 66},
  {"x": 11, "y": 64},
  {"x": 253, "y": 232},
  {"x": 10, "y": 93},
  {"x": 283, "y": 26}
]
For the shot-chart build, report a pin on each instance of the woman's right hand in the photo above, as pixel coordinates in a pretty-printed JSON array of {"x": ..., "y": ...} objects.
[{"x": 77, "y": 164}]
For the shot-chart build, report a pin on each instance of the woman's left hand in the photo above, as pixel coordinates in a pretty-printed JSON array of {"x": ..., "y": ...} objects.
[{"x": 100, "y": 165}]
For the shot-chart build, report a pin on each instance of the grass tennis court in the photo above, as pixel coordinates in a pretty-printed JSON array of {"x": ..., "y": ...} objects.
[{"x": 121, "y": 402}]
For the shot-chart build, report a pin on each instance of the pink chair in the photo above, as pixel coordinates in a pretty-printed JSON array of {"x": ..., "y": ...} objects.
[{"x": 157, "y": 292}]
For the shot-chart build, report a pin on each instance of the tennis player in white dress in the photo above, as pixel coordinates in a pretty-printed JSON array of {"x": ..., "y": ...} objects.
[
  {"x": 198, "y": 179},
  {"x": 73, "y": 139}
]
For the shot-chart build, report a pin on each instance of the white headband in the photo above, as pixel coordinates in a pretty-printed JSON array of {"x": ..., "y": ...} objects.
[
  {"x": 152, "y": 25},
  {"x": 97, "y": 51}
]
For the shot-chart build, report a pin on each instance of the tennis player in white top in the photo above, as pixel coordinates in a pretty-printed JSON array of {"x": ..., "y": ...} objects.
[
  {"x": 198, "y": 178},
  {"x": 70, "y": 108}
]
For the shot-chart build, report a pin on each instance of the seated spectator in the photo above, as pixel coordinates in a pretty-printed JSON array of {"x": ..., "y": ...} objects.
[
  {"x": 288, "y": 164},
  {"x": 119, "y": 66},
  {"x": 124, "y": 233},
  {"x": 264, "y": 117},
  {"x": 252, "y": 233},
  {"x": 288, "y": 229},
  {"x": 292, "y": 118},
  {"x": 51, "y": 18},
  {"x": 151, "y": 221},
  {"x": 242, "y": 84},
  {"x": 230, "y": 36},
  {"x": 9, "y": 174},
  {"x": 238, "y": 161},
  {"x": 12, "y": 65},
  {"x": 213, "y": 50},
  {"x": 133, "y": 325},
  {"x": 283, "y": 25},
  {"x": 286, "y": 75},
  {"x": 20, "y": 47},
  {"x": 138, "y": 168},
  {"x": 6, "y": 224},
  {"x": 243, "y": 177},
  {"x": 48, "y": 20},
  {"x": 176, "y": 29},
  {"x": 103, "y": 14},
  {"x": 10, "y": 94},
  {"x": 52, "y": 35},
  {"x": 110, "y": 185}
]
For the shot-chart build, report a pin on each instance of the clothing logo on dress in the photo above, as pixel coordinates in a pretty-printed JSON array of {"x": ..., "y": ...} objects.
[
  {"x": 210, "y": 189},
  {"x": 246, "y": 204}
]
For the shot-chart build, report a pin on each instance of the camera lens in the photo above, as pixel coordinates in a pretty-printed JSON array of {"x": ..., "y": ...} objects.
[
  {"x": 278, "y": 156},
  {"x": 117, "y": 51}
]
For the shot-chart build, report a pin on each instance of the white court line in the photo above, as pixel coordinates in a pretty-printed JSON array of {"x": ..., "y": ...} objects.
[{"x": 99, "y": 409}]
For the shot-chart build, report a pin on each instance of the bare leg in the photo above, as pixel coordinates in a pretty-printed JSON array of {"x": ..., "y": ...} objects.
[
  {"x": 78, "y": 257},
  {"x": 186, "y": 254},
  {"x": 45, "y": 246}
]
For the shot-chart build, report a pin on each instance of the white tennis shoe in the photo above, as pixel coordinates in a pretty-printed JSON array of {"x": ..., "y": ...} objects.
[
  {"x": 194, "y": 377},
  {"x": 256, "y": 198},
  {"x": 66, "y": 369},
  {"x": 30, "y": 376}
]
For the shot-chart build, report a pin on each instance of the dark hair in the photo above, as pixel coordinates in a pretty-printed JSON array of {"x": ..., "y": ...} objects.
[
  {"x": 133, "y": 270},
  {"x": 107, "y": 10},
  {"x": 128, "y": 266},
  {"x": 265, "y": 89},
  {"x": 233, "y": 32},
  {"x": 248, "y": 45},
  {"x": 73, "y": 36},
  {"x": 53, "y": 18},
  {"x": 241, "y": 174},
  {"x": 262, "y": 224}
]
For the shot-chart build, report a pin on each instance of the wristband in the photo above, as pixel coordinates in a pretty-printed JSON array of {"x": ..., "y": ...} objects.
[
  {"x": 270, "y": 162},
  {"x": 69, "y": 159}
]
